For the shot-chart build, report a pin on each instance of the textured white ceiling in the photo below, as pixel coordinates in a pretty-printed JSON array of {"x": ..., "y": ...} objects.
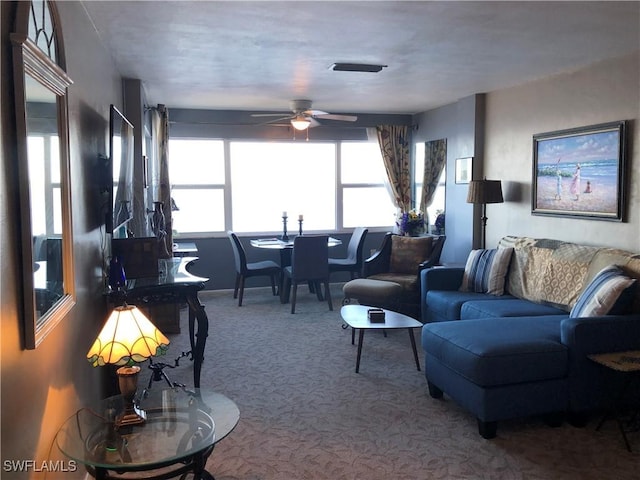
[{"x": 260, "y": 55}]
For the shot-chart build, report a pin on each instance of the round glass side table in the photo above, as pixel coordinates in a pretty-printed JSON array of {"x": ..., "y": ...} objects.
[{"x": 181, "y": 429}]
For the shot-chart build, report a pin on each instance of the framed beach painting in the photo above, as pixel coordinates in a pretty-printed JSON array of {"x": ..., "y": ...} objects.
[{"x": 580, "y": 172}]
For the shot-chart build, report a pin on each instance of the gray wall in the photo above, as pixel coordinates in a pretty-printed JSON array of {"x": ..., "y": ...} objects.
[
  {"x": 605, "y": 92},
  {"x": 461, "y": 124}
]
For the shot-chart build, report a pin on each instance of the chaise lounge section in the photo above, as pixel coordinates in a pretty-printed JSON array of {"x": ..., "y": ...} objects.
[{"x": 524, "y": 351}]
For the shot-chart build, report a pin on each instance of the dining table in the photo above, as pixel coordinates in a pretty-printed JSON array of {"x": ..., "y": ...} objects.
[{"x": 284, "y": 247}]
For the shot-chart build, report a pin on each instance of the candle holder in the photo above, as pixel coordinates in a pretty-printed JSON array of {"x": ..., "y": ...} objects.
[
  {"x": 300, "y": 228},
  {"x": 285, "y": 237}
]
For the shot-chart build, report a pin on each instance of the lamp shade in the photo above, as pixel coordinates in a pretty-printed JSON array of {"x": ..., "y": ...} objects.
[
  {"x": 300, "y": 122},
  {"x": 127, "y": 337},
  {"x": 485, "y": 191}
]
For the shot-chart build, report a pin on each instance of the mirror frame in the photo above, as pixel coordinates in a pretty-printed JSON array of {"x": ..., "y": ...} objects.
[{"x": 29, "y": 59}]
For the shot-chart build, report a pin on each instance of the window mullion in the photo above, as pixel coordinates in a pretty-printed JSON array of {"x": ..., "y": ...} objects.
[
  {"x": 339, "y": 186},
  {"x": 228, "y": 207}
]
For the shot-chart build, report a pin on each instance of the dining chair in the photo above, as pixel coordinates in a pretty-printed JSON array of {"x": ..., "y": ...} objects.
[
  {"x": 352, "y": 263},
  {"x": 245, "y": 269},
  {"x": 309, "y": 264}
]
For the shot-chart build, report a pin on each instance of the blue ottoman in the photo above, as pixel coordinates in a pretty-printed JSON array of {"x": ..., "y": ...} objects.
[{"x": 498, "y": 368}]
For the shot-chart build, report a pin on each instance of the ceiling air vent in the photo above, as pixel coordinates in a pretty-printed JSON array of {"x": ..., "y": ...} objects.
[{"x": 356, "y": 67}]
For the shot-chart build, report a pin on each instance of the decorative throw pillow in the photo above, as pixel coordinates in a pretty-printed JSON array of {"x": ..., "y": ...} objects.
[
  {"x": 609, "y": 291},
  {"x": 486, "y": 270},
  {"x": 407, "y": 253}
]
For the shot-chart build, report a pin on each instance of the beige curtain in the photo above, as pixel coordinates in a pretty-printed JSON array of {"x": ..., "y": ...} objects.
[
  {"x": 435, "y": 157},
  {"x": 159, "y": 170},
  {"x": 394, "y": 144}
]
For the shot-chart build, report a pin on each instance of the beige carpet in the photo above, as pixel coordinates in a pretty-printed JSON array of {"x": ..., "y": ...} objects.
[{"x": 306, "y": 414}]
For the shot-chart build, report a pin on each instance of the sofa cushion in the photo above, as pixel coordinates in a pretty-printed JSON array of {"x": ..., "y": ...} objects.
[
  {"x": 407, "y": 253},
  {"x": 565, "y": 274},
  {"x": 446, "y": 304},
  {"x": 514, "y": 307},
  {"x": 499, "y": 351},
  {"x": 606, "y": 292},
  {"x": 485, "y": 271},
  {"x": 546, "y": 270},
  {"x": 524, "y": 279},
  {"x": 629, "y": 263}
]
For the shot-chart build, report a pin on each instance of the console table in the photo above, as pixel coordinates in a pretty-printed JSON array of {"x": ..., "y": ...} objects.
[{"x": 175, "y": 285}]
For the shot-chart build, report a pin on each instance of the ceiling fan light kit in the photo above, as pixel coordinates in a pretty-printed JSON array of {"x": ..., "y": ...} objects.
[
  {"x": 356, "y": 67},
  {"x": 300, "y": 122}
]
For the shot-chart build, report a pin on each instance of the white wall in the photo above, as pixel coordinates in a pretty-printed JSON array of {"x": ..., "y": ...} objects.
[{"x": 605, "y": 92}]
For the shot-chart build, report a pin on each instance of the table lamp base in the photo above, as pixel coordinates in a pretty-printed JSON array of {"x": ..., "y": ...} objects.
[{"x": 128, "y": 383}]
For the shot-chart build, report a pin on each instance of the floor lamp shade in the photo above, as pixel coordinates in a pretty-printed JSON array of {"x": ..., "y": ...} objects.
[
  {"x": 482, "y": 192},
  {"x": 485, "y": 191}
]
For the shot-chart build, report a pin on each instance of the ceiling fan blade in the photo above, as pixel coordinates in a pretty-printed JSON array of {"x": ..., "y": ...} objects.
[
  {"x": 313, "y": 113},
  {"x": 343, "y": 118},
  {"x": 275, "y": 120},
  {"x": 313, "y": 122},
  {"x": 270, "y": 115}
]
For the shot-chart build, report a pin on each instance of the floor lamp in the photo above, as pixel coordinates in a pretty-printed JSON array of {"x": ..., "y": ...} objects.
[{"x": 482, "y": 192}]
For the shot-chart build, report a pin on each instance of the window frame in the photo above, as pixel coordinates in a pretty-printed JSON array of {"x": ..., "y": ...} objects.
[{"x": 227, "y": 189}]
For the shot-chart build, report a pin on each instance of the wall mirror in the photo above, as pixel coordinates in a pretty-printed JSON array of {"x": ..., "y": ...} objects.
[{"x": 41, "y": 84}]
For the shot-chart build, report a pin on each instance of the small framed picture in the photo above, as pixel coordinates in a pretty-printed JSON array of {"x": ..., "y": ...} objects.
[{"x": 463, "y": 169}]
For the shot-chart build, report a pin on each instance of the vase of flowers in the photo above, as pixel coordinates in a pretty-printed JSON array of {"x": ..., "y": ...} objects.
[
  {"x": 411, "y": 223},
  {"x": 439, "y": 223}
]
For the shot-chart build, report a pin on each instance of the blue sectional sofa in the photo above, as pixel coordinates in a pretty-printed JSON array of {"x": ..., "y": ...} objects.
[{"x": 522, "y": 353}]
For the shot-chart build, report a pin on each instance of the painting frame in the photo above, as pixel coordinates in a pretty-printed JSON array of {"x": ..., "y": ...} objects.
[
  {"x": 581, "y": 172},
  {"x": 463, "y": 170}
]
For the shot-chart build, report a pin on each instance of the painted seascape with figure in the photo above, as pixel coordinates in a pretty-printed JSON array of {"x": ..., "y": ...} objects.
[{"x": 580, "y": 172}]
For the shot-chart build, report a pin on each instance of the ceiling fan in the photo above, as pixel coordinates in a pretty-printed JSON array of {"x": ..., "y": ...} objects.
[{"x": 303, "y": 117}]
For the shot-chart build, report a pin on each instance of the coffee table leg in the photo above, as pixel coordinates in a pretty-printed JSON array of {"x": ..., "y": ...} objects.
[
  {"x": 360, "y": 338},
  {"x": 413, "y": 345}
]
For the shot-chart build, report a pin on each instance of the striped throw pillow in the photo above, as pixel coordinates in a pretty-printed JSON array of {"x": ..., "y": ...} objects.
[
  {"x": 486, "y": 270},
  {"x": 608, "y": 290}
]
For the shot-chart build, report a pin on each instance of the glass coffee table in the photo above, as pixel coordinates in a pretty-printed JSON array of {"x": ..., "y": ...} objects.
[
  {"x": 356, "y": 316},
  {"x": 181, "y": 429}
]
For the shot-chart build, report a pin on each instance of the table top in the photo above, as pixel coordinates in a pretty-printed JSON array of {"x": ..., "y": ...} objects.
[
  {"x": 184, "y": 248},
  {"x": 356, "y": 317},
  {"x": 171, "y": 271},
  {"x": 180, "y": 422},
  {"x": 628, "y": 361},
  {"x": 278, "y": 244}
]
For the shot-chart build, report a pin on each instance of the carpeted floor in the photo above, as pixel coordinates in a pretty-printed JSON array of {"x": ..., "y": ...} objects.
[{"x": 306, "y": 414}]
